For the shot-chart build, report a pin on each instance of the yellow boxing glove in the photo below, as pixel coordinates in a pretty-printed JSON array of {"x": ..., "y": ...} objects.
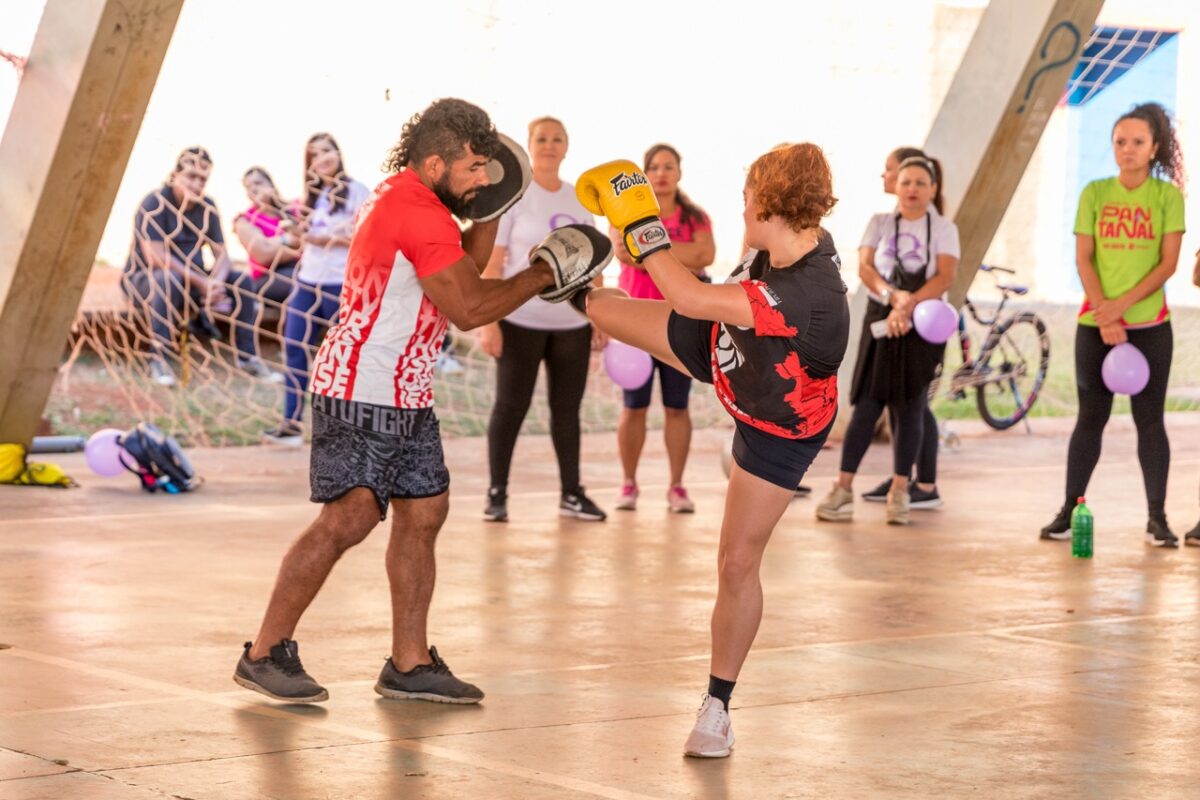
[{"x": 619, "y": 190}]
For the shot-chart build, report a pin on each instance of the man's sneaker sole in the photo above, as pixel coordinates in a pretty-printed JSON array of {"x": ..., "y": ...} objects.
[
  {"x": 573, "y": 514},
  {"x": 935, "y": 502},
  {"x": 626, "y": 506},
  {"x": 841, "y": 515},
  {"x": 246, "y": 683},
  {"x": 1192, "y": 541},
  {"x": 1170, "y": 544},
  {"x": 495, "y": 517},
  {"x": 396, "y": 694}
]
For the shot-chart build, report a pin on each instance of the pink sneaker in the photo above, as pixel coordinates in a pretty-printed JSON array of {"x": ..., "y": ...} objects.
[
  {"x": 628, "y": 498},
  {"x": 679, "y": 502}
]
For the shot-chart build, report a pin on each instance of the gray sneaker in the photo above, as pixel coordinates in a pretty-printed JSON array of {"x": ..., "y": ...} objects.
[
  {"x": 279, "y": 676},
  {"x": 434, "y": 682}
]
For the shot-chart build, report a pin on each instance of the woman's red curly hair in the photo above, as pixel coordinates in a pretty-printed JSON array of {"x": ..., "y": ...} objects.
[{"x": 793, "y": 182}]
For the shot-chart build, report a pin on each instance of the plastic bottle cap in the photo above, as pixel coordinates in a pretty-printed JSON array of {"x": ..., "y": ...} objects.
[{"x": 1081, "y": 500}]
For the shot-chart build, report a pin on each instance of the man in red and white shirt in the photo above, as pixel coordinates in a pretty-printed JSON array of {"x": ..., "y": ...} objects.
[{"x": 375, "y": 437}]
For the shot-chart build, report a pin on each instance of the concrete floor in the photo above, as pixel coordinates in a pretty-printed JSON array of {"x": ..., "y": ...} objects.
[{"x": 960, "y": 656}]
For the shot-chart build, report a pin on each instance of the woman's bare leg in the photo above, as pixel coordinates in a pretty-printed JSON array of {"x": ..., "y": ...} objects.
[{"x": 753, "y": 507}]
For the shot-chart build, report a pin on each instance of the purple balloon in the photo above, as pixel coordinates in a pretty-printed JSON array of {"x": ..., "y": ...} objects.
[
  {"x": 103, "y": 454},
  {"x": 628, "y": 367},
  {"x": 935, "y": 320},
  {"x": 1125, "y": 370}
]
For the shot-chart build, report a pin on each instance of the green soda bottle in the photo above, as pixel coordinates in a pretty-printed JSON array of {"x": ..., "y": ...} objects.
[{"x": 1081, "y": 531}]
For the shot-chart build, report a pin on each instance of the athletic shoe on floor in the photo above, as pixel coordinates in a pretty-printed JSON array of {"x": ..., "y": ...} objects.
[
  {"x": 497, "y": 505},
  {"x": 1059, "y": 528},
  {"x": 160, "y": 373},
  {"x": 578, "y": 505},
  {"x": 879, "y": 493},
  {"x": 919, "y": 498},
  {"x": 433, "y": 682},
  {"x": 1158, "y": 534},
  {"x": 678, "y": 501},
  {"x": 257, "y": 369},
  {"x": 628, "y": 499},
  {"x": 288, "y": 434},
  {"x": 1192, "y": 537},
  {"x": 898, "y": 504},
  {"x": 712, "y": 736},
  {"x": 838, "y": 505},
  {"x": 280, "y": 676}
]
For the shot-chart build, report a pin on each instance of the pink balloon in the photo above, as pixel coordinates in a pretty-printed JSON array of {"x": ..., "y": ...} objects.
[
  {"x": 103, "y": 454},
  {"x": 935, "y": 320},
  {"x": 628, "y": 366},
  {"x": 1125, "y": 370}
]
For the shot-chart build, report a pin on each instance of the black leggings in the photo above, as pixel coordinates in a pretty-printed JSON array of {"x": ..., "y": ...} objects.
[
  {"x": 908, "y": 421},
  {"x": 566, "y": 354},
  {"x": 1095, "y": 405},
  {"x": 927, "y": 455}
]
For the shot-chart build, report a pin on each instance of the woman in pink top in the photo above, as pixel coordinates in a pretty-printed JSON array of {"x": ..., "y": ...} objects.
[
  {"x": 692, "y": 243},
  {"x": 268, "y": 230}
]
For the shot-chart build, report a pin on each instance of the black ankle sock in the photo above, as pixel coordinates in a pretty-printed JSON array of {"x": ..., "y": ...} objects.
[{"x": 721, "y": 689}]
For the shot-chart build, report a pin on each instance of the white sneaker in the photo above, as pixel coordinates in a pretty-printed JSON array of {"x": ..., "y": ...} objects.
[
  {"x": 838, "y": 505},
  {"x": 256, "y": 368},
  {"x": 629, "y": 497},
  {"x": 160, "y": 373},
  {"x": 712, "y": 737}
]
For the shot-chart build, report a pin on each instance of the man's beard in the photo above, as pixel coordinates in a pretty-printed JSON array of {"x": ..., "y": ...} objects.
[{"x": 459, "y": 206}]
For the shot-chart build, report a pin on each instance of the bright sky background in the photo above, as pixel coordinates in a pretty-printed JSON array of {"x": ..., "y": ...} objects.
[{"x": 251, "y": 81}]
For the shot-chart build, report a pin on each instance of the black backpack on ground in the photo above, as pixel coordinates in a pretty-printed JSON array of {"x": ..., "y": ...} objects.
[{"x": 161, "y": 463}]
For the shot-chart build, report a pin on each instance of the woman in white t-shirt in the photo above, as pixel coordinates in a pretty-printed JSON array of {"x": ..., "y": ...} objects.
[
  {"x": 538, "y": 331},
  {"x": 906, "y": 256},
  {"x": 331, "y": 200}
]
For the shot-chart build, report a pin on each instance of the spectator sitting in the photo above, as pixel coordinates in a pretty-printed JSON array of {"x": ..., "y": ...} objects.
[
  {"x": 269, "y": 230},
  {"x": 165, "y": 275}
]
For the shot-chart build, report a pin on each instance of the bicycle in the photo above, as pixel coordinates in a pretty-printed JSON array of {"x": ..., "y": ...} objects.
[{"x": 1005, "y": 381}]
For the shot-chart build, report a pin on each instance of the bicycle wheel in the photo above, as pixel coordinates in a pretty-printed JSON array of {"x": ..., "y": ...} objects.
[{"x": 1015, "y": 360}]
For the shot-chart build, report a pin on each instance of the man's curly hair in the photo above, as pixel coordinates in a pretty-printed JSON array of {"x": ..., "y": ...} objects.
[
  {"x": 793, "y": 182},
  {"x": 442, "y": 130}
]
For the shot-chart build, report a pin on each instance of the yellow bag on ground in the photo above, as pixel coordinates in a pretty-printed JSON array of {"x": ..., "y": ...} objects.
[
  {"x": 13, "y": 469},
  {"x": 42, "y": 474},
  {"x": 12, "y": 462}
]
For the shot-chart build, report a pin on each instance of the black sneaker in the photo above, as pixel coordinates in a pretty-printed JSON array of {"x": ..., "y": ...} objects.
[
  {"x": 497, "y": 505},
  {"x": 202, "y": 327},
  {"x": 578, "y": 505},
  {"x": 1059, "y": 528},
  {"x": 279, "y": 676},
  {"x": 433, "y": 682},
  {"x": 879, "y": 493},
  {"x": 919, "y": 498},
  {"x": 1159, "y": 535},
  {"x": 1192, "y": 537},
  {"x": 288, "y": 434}
]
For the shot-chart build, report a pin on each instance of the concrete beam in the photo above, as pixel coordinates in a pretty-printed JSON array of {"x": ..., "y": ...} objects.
[
  {"x": 73, "y": 124},
  {"x": 1011, "y": 77}
]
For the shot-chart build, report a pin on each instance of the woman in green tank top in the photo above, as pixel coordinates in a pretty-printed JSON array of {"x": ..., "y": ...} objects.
[{"x": 1128, "y": 232}]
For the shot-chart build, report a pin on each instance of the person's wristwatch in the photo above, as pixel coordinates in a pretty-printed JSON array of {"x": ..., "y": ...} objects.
[{"x": 885, "y": 296}]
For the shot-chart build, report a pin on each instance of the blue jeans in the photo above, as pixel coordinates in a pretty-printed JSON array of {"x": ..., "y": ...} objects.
[
  {"x": 307, "y": 304},
  {"x": 164, "y": 301}
]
